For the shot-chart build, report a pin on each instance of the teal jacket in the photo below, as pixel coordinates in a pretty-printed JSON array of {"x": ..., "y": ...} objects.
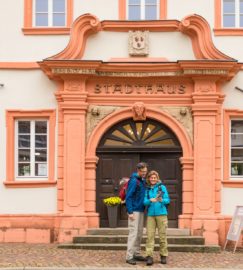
[{"x": 156, "y": 208}]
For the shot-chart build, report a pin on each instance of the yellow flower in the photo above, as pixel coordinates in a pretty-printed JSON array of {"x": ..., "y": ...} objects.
[{"x": 112, "y": 201}]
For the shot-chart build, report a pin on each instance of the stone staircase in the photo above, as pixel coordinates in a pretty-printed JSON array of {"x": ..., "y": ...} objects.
[{"x": 179, "y": 240}]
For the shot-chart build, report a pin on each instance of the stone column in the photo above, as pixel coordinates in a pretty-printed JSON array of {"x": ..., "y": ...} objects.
[
  {"x": 187, "y": 193},
  {"x": 205, "y": 109},
  {"x": 90, "y": 191},
  {"x": 73, "y": 220}
]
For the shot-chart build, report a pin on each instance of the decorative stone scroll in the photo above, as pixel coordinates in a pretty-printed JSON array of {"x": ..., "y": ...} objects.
[{"x": 139, "y": 111}]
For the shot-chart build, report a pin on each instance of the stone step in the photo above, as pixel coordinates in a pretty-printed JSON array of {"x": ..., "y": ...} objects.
[
  {"x": 124, "y": 231},
  {"x": 171, "y": 247},
  {"x": 112, "y": 239}
]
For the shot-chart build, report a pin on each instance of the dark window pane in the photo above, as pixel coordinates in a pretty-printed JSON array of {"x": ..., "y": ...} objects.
[
  {"x": 58, "y": 5},
  {"x": 150, "y": 13},
  {"x": 40, "y": 126},
  {"x": 58, "y": 19},
  {"x": 134, "y": 2},
  {"x": 41, "y": 20},
  {"x": 236, "y": 169},
  {"x": 236, "y": 154},
  {"x": 24, "y": 126},
  {"x": 237, "y": 126},
  {"x": 24, "y": 141},
  {"x": 40, "y": 141},
  {"x": 24, "y": 169},
  {"x": 237, "y": 140},
  {"x": 241, "y": 6},
  {"x": 150, "y": 2},
  {"x": 241, "y": 20},
  {"x": 40, "y": 169},
  {"x": 134, "y": 13},
  {"x": 229, "y": 6},
  {"x": 40, "y": 155},
  {"x": 24, "y": 155},
  {"x": 229, "y": 21},
  {"x": 41, "y": 5}
]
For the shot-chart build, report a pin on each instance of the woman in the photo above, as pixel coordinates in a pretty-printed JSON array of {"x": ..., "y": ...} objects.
[{"x": 156, "y": 198}]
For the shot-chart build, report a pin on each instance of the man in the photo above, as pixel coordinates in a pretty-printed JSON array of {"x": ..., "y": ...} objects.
[{"x": 135, "y": 209}]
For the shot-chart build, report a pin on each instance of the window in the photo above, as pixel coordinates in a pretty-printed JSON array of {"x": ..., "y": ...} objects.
[
  {"x": 143, "y": 9},
  {"x": 49, "y": 13},
  {"x": 228, "y": 17},
  {"x": 232, "y": 13},
  {"x": 233, "y": 148},
  {"x": 236, "y": 148},
  {"x": 30, "y": 148},
  {"x": 31, "y": 144},
  {"x": 47, "y": 17}
]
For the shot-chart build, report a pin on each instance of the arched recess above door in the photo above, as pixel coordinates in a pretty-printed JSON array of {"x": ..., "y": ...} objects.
[
  {"x": 126, "y": 113},
  {"x": 149, "y": 135}
]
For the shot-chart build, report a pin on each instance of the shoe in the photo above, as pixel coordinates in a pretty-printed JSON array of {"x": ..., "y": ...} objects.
[
  {"x": 163, "y": 259},
  {"x": 139, "y": 258},
  {"x": 150, "y": 260},
  {"x": 131, "y": 261}
]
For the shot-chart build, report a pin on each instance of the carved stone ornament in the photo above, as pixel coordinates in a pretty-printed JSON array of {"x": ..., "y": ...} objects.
[
  {"x": 183, "y": 115},
  {"x": 139, "y": 111},
  {"x": 138, "y": 43},
  {"x": 95, "y": 114}
]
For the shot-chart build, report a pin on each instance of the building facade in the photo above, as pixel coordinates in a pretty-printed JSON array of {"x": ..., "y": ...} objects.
[{"x": 89, "y": 88}]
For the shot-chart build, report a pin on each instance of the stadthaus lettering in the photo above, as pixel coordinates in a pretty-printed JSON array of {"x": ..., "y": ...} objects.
[{"x": 149, "y": 89}]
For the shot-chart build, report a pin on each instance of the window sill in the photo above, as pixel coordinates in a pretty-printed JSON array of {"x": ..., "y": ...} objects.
[
  {"x": 228, "y": 31},
  {"x": 46, "y": 30},
  {"x": 29, "y": 184},
  {"x": 233, "y": 184}
]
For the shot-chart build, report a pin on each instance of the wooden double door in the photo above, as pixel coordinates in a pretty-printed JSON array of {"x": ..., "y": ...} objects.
[{"x": 113, "y": 166}]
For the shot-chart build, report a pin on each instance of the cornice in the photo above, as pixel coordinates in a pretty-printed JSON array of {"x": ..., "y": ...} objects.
[
  {"x": 192, "y": 69},
  {"x": 194, "y": 26}
]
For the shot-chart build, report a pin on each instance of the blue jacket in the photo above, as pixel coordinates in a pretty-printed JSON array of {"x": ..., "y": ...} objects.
[
  {"x": 156, "y": 208},
  {"x": 135, "y": 194}
]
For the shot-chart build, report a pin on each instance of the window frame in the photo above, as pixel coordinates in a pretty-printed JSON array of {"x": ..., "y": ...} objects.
[
  {"x": 32, "y": 181},
  {"x": 123, "y": 8},
  {"x": 219, "y": 29},
  {"x": 50, "y": 14},
  {"x": 233, "y": 177},
  {"x": 143, "y": 9},
  {"x": 32, "y": 148},
  {"x": 29, "y": 25},
  {"x": 228, "y": 180}
]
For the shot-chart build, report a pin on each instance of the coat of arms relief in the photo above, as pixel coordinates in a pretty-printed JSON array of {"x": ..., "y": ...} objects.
[{"x": 138, "y": 43}]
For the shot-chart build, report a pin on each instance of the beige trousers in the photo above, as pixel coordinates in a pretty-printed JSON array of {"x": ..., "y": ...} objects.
[
  {"x": 135, "y": 235},
  {"x": 161, "y": 222}
]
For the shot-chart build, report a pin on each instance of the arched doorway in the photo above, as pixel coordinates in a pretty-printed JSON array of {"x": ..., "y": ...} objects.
[{"x": 122, "y": 147}]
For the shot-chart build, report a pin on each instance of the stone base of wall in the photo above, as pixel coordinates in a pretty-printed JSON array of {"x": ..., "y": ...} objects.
[
  {"x": 44, "y": 228},
  {"x": 213, "y": 228}
]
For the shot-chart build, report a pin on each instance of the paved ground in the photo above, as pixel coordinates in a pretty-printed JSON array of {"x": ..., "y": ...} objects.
[{"x": 26, "y": 255}]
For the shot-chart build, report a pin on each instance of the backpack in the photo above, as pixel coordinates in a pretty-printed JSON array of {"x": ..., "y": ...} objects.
[
  {"x": 123, "y": 188},
  {"x": 161, "y": 192}
]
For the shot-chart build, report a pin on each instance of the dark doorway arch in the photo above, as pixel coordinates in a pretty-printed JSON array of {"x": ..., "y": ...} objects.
[{"x": 122, "y": 147}]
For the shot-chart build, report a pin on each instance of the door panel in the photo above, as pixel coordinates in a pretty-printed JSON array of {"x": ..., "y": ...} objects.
[
  {"x": 168, "y": 167},
  {"x": 111, "y": 168}
]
